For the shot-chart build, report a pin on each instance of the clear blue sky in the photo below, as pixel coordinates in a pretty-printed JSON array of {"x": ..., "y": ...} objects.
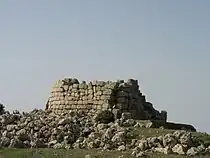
[{"x": 164, "y": 44}]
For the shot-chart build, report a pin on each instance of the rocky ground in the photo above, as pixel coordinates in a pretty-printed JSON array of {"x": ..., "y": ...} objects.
[{"x": 73, "y": 131}]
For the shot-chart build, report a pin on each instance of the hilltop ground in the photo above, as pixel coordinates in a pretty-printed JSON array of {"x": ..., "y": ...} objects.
[
  {"x": 42, "y": 134},
  {"x": 50, "y": 153},
  {"x": 136, "y": 132}
]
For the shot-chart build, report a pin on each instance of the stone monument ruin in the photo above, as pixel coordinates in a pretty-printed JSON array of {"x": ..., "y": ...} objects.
[{"x": 119, "y": 97}]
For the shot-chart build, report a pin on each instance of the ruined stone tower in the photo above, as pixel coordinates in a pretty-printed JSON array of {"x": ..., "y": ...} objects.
[{"x": 120, "y": 96}]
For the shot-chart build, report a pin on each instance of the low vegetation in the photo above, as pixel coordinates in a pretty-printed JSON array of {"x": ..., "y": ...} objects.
[
  {"x": 77, "y": 153},
  {"x": 105, "y": 116}
]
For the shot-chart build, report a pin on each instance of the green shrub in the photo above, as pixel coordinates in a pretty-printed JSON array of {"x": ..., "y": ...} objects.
[
  {"x": 203, "y": 138},
  {"x": 2, "y": 109},
  {"x": 105, "y": 116}
]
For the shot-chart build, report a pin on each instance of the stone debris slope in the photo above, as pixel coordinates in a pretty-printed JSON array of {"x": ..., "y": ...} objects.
[{"x": 41, "y": 129}]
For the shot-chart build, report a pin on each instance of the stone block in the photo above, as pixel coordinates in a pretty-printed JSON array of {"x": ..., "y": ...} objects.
[{"x": 107, "y": 92}]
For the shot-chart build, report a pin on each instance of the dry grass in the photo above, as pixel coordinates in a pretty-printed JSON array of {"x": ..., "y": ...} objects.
[
  {"x": 76, "y": 153},
  {"x": 151, "y": 132}
]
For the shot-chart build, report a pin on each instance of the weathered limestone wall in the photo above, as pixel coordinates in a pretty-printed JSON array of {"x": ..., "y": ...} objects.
[
  {"x": 69, "y": 94},
  {"x": 120, "y": 96}
]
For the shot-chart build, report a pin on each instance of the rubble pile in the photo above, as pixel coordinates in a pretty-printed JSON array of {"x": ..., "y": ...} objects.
[{"x": 72, "y": 130}]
